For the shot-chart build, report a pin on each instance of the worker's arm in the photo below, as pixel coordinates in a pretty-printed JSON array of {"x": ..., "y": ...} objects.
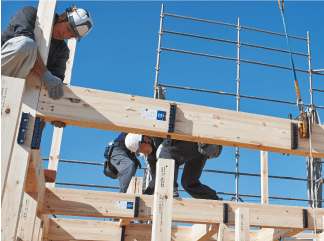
[
  {"x": 53, "y": 83},
  {"x": 39, "y": 67}
]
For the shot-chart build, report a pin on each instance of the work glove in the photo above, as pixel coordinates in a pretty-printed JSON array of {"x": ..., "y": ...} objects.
[
  {"x": 210, "y": 150},
  {"x": 53, "y": 84}
]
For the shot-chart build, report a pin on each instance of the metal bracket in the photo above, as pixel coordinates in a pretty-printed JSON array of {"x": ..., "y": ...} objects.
[
  {"x": 173, "y": 110},
  {"x": 136, "y": 209},
  {"x": 22, "y": 128},
  {"x": 122, "y": 233},
  {"x": 305, "y": 218},
  {"x": 37, "y": 135},
  {"x": 225, "y": 213},
  {"x": 294, "y": 136}
]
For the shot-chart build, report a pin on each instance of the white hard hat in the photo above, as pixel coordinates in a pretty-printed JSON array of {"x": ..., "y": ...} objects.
[
  {"x": 133, "y": 142},
  {"x": 80, "y": 22}
]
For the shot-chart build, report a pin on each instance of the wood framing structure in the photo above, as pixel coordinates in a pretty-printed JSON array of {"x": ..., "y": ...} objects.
[{"x": 27, "y": 200}]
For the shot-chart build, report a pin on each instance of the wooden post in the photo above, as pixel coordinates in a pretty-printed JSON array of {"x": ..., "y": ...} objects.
[
  {"x": 12, "y": 91},
  {"x": 163, "y": 198},
  {"x": 264, "y": 178},
  {"x": 242, "y": 224},
  {"x": 14, "y": 189},
  {"x": 58, "y": 132}
]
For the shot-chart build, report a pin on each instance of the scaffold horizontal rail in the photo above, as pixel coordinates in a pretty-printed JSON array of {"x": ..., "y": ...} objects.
[
  {"x": 72, "y": 202},
  {"x": 233, "y": 42},
  {"x": 234, "y": 59},
  {"x": 122, "y": 112}
]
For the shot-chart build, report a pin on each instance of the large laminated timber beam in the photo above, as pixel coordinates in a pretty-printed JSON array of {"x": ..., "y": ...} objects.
[
  {"x": 70, "y": 202},
  {"x": 122, "y": 112}
]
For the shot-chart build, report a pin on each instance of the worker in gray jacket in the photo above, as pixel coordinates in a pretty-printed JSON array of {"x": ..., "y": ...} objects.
[
  {"x": 121, "y": 163},
  {"x": 19, "y": 53},
  {"x": 193, "y": 155}
]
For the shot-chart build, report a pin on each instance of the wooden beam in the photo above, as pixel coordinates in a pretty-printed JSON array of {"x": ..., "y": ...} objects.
[
  {"x": 12, "y": 91},
  {"x": 17, "y": 173},
  {"x": 163, "y": 200},
  {"x": 242, "y": 224},
  {"x": 135, "y": 187},
  {"x": 121, "y": 112},
  {"x": 63, "y": 229},
  {"x": 270, "y": 234},
  {"x": 264, "y": 178},
  {"x": 37, "y": 226},
  {"x": 202, "y": 232},
  {"x": 101, "y": 204}
]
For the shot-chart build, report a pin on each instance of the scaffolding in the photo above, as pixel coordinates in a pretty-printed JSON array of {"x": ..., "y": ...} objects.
[{"x": 209, "y": 217}]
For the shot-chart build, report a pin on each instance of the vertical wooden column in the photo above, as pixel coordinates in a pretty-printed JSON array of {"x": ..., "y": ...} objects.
[
  {"x": 57, "y": 136},
  {"x": 264, "y": 178},
  {"x": 242, "y": 224},
  {"x": 58, "y": 132},
  {"x": 12, "y": 91},
  {"x": 163, "y": 198},
  {"x": 14, "y": 189}
]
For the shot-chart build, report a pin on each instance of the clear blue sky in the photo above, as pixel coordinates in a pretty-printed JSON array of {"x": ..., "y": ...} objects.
[{"x": 119, "y": 55}]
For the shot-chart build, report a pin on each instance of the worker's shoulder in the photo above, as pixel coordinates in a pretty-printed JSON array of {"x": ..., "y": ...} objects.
[{"x": 28, "y": 9}]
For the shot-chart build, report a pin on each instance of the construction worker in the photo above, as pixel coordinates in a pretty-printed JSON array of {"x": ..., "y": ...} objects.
[
  {"x": 19, "y": 53},
  {"x": 148, "y": 146},
  {"x": 121, "y": 163},
  {"x": 194, "y": 156}
]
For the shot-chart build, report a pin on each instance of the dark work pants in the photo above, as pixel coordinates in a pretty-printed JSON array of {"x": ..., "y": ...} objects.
[
  {"x": 125, "y": 166},
  {"x": 184, "y": 152}
]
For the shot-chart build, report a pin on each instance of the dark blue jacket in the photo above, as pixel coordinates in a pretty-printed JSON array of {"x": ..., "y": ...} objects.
[{"x": 22, "y": 23}]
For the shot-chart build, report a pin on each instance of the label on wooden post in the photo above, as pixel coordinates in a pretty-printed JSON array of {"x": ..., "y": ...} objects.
[
  {"x": 242, "y": 224},
  {"x": 163, "y": 199}
]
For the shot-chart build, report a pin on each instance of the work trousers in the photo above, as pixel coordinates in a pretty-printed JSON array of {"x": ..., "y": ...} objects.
[
  {"x": 18, "y": 56},
  {"x": 184, "y": 152},
  {"x": 125, "y": 166}
]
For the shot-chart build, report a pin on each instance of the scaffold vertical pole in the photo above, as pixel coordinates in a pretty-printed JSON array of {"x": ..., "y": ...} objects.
[
  {"x": 157, "y": 68},
  {"x": 237, "y": 155},
  {"x": 310, "y": 70}
]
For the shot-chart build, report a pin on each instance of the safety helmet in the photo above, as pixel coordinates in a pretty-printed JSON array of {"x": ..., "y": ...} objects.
[
  {"x": 80, "y": 22},
  {"x": 133, "y": 142}
]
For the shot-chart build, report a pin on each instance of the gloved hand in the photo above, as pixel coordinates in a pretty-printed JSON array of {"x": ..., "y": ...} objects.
[
  {"x": 53, "y": 84},
  {"x": 210, "y": 150}
]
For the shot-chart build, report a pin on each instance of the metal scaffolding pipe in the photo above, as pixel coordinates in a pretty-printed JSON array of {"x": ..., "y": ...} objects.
[
  {"x": 228, "y": 58},
  {"x": 157, "y": 68},
  {"x": 229, "y": 41},
  {"x": 232, "y": 25},
  {"x": 318, "y": 90},
  {"x": 204, "y": 170},
  {"x": 238, "y": 80},
  {"x": 231, "y": 94}
]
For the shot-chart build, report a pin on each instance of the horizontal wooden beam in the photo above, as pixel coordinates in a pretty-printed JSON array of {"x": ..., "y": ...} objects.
[
  {"x": 71, "y": 202},
  {"x": 121, "y": 112}
]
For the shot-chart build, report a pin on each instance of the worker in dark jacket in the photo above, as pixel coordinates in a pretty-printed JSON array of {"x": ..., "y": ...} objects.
[
  {"x": 19, "y": 54},
  {"x": 194, "y": 156},
  {"x": 121, "y": 163}
]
